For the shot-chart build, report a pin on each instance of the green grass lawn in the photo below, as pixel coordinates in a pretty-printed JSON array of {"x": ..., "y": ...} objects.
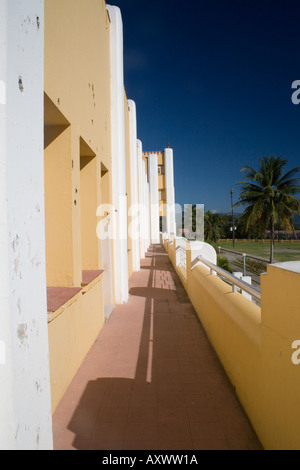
[{"x": 284, "y": 251}]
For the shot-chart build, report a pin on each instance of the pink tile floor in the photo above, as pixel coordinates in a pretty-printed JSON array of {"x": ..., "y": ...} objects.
[{"x": 152, "y": 380}]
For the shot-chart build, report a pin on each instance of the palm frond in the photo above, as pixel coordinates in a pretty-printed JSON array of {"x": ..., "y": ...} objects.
[{"x": 268, "y": 194}]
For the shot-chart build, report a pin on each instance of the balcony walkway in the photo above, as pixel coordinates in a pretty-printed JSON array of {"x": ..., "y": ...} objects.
[{"x": 152, "y": 381}]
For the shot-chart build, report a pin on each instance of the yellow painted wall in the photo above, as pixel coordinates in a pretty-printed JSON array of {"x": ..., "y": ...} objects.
[
  {"x": 90, "y": 181},
  {"x": 71, "y": 334},
  {"x": 254, "y": 345},
  {"x": 161, "y": 182},
  {"x": 77, "y": 148},
  {"x": 58, "y": 208},
  {"x": 160, "y": 158},
  {"x": 77, "y": 81},
  {"x": 77, "y": 68},
  {"x": 281, "y": 377}
]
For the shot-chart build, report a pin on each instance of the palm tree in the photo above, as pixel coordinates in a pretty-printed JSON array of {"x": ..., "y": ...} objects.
[
  {"x": 270, "y": 196},
  {"x": 212, "y": 227}
]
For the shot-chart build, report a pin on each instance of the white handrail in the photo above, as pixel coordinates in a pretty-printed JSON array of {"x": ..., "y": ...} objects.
[{"x": 234, "y": 281}]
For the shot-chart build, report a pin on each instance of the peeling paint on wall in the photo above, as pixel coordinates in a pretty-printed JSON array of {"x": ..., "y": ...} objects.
[
  {"x": 22, "y": 333},
  {"x": 15, "y": 242},
  {"x": 21, "y": 86},
  {"x": 16, "y": 265},
  {"x": 38, "y": 437},
  {"x": 38, "y": 386},
  {"x": 25, "y": 399}
]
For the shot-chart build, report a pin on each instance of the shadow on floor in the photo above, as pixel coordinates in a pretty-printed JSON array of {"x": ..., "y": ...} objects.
[{"x": 152, "y": 381}]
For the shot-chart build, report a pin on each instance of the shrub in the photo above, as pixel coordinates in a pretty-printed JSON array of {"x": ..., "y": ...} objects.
[{"x": 223, "y": 263}]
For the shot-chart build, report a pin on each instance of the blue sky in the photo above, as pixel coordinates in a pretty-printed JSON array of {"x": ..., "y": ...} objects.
[{"x": 213, "y": 78}]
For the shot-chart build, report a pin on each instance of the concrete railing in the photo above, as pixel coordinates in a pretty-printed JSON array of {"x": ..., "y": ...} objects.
[
  {"x": 238, "y": 285},
  {"x": 259, "y": 347}
]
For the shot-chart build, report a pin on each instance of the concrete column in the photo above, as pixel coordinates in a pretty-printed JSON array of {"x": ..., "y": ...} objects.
[
  {"x": 147, "y": 208},
  {"x": 25, "y": 402},
  {"x": 170, "y": 191},
  {"x": 141, "y": 171},
  {"x": 247, "y": 279},
  {"x": 119, "y": 216},
  {"x": 134, "y": 216},
  {"x": 153, "y": 198}
]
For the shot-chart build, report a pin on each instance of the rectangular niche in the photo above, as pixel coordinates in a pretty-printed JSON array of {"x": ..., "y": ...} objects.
[
  {"x": 58, "y": 196},
  {"x": 89, "y": 197}
]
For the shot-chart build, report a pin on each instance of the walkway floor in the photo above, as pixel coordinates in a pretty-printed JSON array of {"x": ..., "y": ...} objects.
[{"x": 152, "y": 381}]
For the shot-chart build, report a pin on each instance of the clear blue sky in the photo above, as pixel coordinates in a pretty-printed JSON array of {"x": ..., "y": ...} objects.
[{"x": 213, "y": 78}]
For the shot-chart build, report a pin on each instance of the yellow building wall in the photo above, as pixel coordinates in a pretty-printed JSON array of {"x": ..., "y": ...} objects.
[
  {"x": 77, "y": 68},
  {"x": 72, "y": 331},
  {"x": 59, "y": 223},
  {"x": 160, "y": 158},
  {"x": 161, "y": 182},
  {"x": 77, "y": 150},
  {"x": 281, "y": 377},
  {"x": 77, "y": 80},
  {"x": 90, "y": 183}
]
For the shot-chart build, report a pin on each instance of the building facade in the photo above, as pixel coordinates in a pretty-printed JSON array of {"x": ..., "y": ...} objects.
[{"x": 80, "y": 202}]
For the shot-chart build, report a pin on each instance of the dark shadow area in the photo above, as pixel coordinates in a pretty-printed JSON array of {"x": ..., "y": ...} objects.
[
  {"x": 171, "y": 392},
  {"x": 55, "y": 122},
  {"x": 153, "y": 292}
]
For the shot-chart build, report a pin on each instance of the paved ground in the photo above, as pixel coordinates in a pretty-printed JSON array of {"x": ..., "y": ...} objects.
[{"x": 152, "y": 380}]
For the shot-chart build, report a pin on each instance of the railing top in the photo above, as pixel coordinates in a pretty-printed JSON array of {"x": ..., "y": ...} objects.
[
  {"x": 180, "y": 248},
  {"x": 253, "y": 291},
  {"x": 258, "y": 258}
]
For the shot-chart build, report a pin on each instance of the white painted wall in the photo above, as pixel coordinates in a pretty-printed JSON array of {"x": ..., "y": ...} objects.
[
  {"x": 153, "y": 198},
  {"x": 169, "y": 168},
  {"x": 147, "y": 208},
  {"x": 203, "y": 249},
  {"x": 25, "y": 402},
  {"x": 119, "y": 216},
  {"x": 247, "y": 279},
  {"x": 170, "y": 191},
  {"x": 107, "y": 266},
  {"x": 134, "y": 229},
  {"x": 142, "y": 201}
]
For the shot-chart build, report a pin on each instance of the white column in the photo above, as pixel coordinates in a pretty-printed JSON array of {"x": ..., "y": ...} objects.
[
  {"x": 147, "y": 209},
  {"x": 119, "y": 216},
  {"x": 134, "y": 228},
  {"x": 25, "y": 401},
  {"x": 170, "y": 192},
  {"x": 142, "y": 202},
  {"x": 153, "y": 198}
]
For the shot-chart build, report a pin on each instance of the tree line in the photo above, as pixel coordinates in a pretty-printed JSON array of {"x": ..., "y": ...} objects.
[{"x": 269, "y": 202}]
